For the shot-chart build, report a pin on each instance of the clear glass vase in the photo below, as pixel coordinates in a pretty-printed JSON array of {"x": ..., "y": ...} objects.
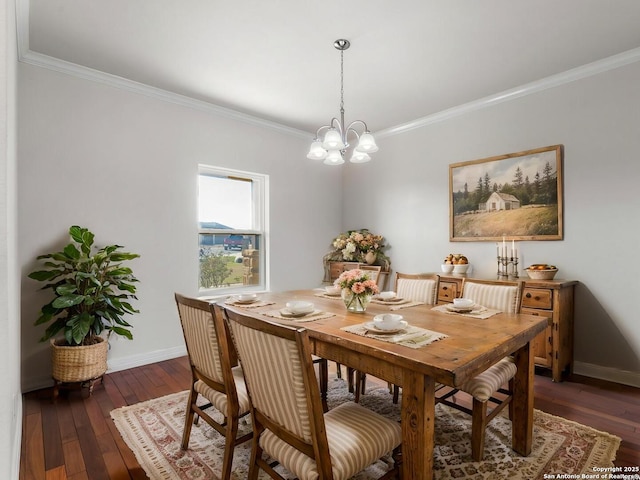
[{"x": 355, "y": 302}]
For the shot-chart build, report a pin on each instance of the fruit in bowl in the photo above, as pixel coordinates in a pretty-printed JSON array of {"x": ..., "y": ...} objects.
[
  {"x": 541, "y": 271},
  {"x": 455, "y": 259}
]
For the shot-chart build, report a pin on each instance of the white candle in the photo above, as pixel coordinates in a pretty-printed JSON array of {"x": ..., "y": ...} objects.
[
  {"x": 504, "y": 247},
  {"x": 513, "y": 248}
]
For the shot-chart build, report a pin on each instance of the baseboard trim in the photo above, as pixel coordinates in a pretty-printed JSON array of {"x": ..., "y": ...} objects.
[
  {"x": 146, "y": 358},
  {"x": 616, "y": 375},
  {"x": 124, "y": 363}
]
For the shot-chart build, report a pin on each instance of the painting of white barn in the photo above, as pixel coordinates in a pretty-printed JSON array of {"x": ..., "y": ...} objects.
[{"x": 500, "y": 201}]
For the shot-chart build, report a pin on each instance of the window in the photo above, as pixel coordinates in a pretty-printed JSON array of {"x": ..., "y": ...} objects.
[{"x": 231, "y": 230}]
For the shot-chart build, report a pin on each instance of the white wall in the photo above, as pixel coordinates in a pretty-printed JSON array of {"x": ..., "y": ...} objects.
[
  {"x": 125, "y": 166},
  {"x": 10, "y": 397},
  {"x": 403, "y": 195}
]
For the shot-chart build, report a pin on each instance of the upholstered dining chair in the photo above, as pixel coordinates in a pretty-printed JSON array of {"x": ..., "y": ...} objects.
[
  {"x": 484, "y": 388},
  {"x": 417, "y": 287},
  {"x": 420, "y": 287},
  {"x": 374, "y": 273},
  {"x": 287, "y": 415},
  {"x": 213, "y": 374}
]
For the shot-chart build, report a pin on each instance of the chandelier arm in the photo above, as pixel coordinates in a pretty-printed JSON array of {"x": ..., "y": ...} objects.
[
  {"x": 319, "y": 131},
  {"x": 350, "y": 127},
  {"x": 353, "y": 130}
]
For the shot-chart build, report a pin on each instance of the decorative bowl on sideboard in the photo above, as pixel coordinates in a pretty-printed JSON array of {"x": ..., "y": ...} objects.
[{"x": 541, "y": 274}]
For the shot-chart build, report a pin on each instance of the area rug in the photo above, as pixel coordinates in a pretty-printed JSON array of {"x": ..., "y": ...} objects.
[{"x": 153, "y": 431}]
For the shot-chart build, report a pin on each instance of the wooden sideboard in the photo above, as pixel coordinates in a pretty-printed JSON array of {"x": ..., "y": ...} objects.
[
  {"x": 334, "y": 270},
  {"x": 552, "y": 299}
]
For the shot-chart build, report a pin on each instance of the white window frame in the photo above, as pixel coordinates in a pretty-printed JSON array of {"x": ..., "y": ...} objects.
[{"x": 260, "y": 209}]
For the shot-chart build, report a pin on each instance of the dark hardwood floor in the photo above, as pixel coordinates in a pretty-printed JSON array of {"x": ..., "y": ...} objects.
[{"x": 76, "y": 439}]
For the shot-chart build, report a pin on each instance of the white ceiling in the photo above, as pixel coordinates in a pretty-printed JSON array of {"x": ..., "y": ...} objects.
[{"x": 275, "y": 60}]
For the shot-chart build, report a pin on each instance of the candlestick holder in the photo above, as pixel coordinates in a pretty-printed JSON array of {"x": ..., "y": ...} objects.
[{"x": 507, "y": 266}]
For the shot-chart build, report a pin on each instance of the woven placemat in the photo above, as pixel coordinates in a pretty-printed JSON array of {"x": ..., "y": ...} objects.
[
  {"x": 411, "y": 336},
  {"x": 482, "y": 313}
]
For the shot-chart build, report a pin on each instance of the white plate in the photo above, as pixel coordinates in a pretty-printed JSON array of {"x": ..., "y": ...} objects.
[
  {"x": 390, "y": 300},
  {"x": 248, "y": 300},
  {"x": 285, "y": 312},
  {"x": 453, "y": 308},
  {"x": 373, "y": 328},
  {"x": 332, "y": 294}
]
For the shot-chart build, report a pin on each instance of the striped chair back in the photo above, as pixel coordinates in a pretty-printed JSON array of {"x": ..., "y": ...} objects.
[
  {"x": 200, "y": 337},
  {"x": 274, "y": 373},
  {"x": 503, "y": 296},
  {"x": 418, "y": 287}
]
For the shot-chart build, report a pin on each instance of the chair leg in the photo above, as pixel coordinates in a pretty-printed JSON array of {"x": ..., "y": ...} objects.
[
  {"x": 323, "y": 370},
  {"x": 230, "y": 443},
  {"x": 478, "y": 425},
  {"x": 360, "y": 383},
  {"x": 338, "y": 370},
  {"x": 396, "y": 394},
  {"x": 350, "y": 374},
  {"x": 188, "y": 421},
  {"x": 511, "y": 404},
  {"x": 256, "y": 454}
]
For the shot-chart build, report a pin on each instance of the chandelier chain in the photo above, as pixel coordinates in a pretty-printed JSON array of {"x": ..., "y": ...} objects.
[{"x": 342, "y": 80}]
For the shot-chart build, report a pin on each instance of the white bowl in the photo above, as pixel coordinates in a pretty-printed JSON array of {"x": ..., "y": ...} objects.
[
  {"x": 246, "y": 297},
  {"x": 388, "y": 321},
  {"x": 299, "y": 307},
  {"x": 461, "y": 268},
  {"x": 446, "y": 267},
  {"x": 463, "y": 302},
  {"x": 332, "y": 290},
  {"x": 387, "y": 295}
]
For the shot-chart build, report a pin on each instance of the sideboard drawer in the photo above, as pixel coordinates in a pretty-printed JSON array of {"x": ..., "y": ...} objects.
[
  {"x": 447, "y": 291},
  {"x": 537, "y": 298}
]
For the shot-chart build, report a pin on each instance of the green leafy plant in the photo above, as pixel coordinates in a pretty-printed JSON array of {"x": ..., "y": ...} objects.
[{"x": 91, "y": 290}]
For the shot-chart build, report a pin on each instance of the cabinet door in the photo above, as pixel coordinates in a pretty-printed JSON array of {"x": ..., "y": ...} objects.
[{"x": 543, "y": 343}]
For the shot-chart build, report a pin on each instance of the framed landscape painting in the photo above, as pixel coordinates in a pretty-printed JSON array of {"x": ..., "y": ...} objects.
[{"x": 518, "y": 195}]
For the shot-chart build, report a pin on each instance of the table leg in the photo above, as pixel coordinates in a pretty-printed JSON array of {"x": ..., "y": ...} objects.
[
  {"x": 417, "y": 417},
  {"x": 522, "y": 422}
]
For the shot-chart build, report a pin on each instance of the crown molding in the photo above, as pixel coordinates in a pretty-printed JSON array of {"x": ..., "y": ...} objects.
[
  {"x": 25, "y": 55},
  {"x": 68, "y": 68},
  {"x": 578, "y": 73}
]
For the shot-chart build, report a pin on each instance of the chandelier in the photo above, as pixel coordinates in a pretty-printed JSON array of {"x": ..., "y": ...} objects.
[{"x": 333, "y": 147}]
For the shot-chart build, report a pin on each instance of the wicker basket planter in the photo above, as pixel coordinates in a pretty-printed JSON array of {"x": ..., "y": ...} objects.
[{"x": 79, "y": 363}]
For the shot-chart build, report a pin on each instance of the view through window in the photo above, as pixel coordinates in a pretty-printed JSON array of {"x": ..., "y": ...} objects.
[{"x": 231, "y": 224}]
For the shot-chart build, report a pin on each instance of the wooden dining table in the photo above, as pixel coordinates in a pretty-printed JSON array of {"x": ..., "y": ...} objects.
[{"x": 470, "y": 347}]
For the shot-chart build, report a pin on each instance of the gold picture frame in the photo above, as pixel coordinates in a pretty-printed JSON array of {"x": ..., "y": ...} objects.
[{"x": 517, "y": 195}]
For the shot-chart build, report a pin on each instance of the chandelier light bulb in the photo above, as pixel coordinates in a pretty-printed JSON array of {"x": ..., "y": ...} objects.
[
  {"x": 367, "y": 143},
  {"x": 359, "y": 157},
  {"x": 334, "y": 158},
  {"x": 316, "y": 152},
  {"x": 333, "y": 140}
]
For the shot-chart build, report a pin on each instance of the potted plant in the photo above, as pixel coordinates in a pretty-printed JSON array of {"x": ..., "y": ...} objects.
[{"x": 91, "y": 293}]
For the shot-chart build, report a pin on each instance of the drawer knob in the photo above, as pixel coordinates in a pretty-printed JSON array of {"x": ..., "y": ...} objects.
[
  {"x": 445, "y": 288},
  {"x": 528, "y": 295}
]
